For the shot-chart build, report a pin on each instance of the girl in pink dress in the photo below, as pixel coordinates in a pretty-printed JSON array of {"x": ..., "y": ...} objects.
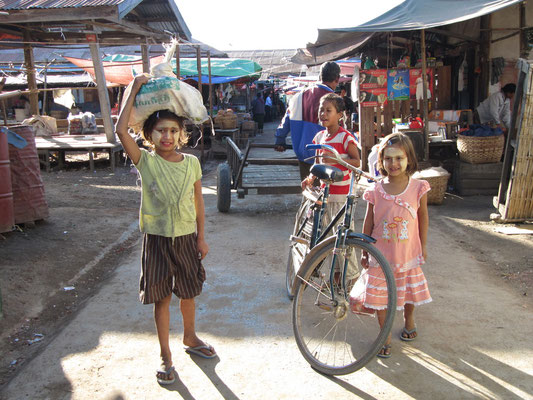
[{"x": 397, "y": 217}]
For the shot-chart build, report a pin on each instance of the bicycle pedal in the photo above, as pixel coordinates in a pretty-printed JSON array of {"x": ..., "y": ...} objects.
[{"x": 297, "y": 239}]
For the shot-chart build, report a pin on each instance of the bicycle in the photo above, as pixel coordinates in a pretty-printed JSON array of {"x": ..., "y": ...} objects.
[{"x": 333, "y": 329}]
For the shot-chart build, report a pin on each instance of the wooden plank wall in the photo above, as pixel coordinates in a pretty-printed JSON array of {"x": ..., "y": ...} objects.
[{"x": 376, "y": 122}]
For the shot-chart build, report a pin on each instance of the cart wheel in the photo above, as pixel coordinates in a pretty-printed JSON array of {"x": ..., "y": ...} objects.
[{"x": 223, "y": 187}]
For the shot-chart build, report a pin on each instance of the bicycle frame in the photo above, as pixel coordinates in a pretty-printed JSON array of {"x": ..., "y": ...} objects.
[{"x": 344, "y": 229}]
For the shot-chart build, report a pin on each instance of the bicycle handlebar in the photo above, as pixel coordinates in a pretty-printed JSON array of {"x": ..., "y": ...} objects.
[{"x": 338, "y": 159}]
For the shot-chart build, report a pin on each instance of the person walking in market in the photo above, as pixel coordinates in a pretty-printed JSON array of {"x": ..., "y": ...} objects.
[
  {"x": 301, "y": 116},
  {"x": 268, "y": 108},
  {"x": 258, "y": 112}
]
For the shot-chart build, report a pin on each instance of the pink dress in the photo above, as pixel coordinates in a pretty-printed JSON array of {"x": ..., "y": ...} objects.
[{"x": 397, "y": 235}]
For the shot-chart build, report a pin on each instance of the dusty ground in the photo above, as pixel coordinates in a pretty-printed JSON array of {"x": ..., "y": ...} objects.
[{"x": 93, "y": 226}]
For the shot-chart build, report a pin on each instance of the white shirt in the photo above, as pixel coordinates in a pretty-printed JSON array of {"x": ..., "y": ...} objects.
[
  {"x": 268, "y": 102},
  {"x": 496, "y": 108}
]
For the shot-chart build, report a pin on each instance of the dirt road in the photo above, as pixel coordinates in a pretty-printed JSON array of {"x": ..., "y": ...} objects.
[{"x": 474, "y": 339}]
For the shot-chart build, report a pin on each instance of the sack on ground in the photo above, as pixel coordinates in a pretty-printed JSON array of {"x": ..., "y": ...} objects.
[{"x": 88, "y": 123}]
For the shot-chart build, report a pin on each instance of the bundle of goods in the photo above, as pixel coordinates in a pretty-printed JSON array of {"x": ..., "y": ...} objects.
[
  {"x": 437, "y": 178},
  {"x": 88, "y": 123},
  {"x": 165, "y": 92},
  {"x": 43, "y": 125},
  {"x": 480, "y": 144},
  {"x": 75, "y": 125}
]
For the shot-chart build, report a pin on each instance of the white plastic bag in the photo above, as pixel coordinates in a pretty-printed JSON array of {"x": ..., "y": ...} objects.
[
  {"x": 88, "y": 123},
  {"x": 165, "y": 92}
]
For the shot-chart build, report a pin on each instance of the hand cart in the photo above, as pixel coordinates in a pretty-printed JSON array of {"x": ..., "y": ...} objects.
[{"x": 261, "y": 175}]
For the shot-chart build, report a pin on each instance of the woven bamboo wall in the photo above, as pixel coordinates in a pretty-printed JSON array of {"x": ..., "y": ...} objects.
[{"x": 520, "y": 201}]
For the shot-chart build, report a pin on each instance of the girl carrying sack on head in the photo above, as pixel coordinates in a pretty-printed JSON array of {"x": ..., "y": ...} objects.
[{"x": 172, "y": 208}]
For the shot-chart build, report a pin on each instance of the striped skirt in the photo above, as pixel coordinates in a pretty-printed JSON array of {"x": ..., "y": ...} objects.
[
  {"x": 411, "y": 288},
  {"x": 170, "y": 265}
]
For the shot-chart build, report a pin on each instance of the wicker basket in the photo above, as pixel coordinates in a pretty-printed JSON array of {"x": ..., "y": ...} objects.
[
  {"x": 438, "y": 188},
  {"x": 480, "y": 150},
  {"x": 248, "y": 125},
  {"x": 229, "y": 121}
]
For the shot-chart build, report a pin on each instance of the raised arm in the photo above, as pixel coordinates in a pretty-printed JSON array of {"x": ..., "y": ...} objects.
[{"x": 130, "y": 146}]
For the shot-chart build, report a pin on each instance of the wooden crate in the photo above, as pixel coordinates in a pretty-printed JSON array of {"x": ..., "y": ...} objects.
[{"x": 476, "y": 179}]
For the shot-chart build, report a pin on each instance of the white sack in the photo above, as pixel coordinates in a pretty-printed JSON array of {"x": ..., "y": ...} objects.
[{"x": 165, "y": 92}]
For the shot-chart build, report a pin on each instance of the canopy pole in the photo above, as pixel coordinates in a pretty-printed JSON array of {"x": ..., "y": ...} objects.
[
  {"x": 145, "y": 58},
  {"x": 424, "y": 94},
  {"x": 177, "y": 55},
  {"x": 30, "y": 73},
  {"x": 210, "y": 84},
  {"x": 101, "y": 86},
  {"x": 199, "y": 69}
]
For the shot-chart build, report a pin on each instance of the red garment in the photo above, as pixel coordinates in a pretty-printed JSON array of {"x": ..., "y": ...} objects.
[{"x": 340, "y": 142}]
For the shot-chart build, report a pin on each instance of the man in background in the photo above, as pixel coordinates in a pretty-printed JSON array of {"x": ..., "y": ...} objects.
[
  {"x": 301, "y": 116},
  {"x": 258, "y": 112},
  {"x": 496, "y": 109}
]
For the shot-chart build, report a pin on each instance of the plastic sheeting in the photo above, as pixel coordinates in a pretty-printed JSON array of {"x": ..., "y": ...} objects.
[
  {"x": 335, "y": 43},
  {"x": 424, "y": 14},
  {"x": 121, "y": 68}
]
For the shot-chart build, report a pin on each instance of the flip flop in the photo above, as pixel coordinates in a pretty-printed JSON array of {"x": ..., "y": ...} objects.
[
  {"x": 167, "y": 373},
  {"x": 198, "y": 351},
  {"x": 408, "y": 333},
  {"x": 385, "y": 348}
]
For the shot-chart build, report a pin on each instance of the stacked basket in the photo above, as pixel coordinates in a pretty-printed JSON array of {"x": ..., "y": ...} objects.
[
  {"x": 226, "y": 119},
  {"x": 437, "y": 177},
  {"x": 480, "y": 150}
]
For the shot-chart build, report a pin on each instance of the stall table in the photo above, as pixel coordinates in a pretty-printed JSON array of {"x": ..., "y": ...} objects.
[{"x": 55, "y": 147}]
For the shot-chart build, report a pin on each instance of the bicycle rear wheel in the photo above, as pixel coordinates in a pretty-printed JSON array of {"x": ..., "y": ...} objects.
[
  {"x": 299, "y": 243},
  {"x": 340, "y": 338}
]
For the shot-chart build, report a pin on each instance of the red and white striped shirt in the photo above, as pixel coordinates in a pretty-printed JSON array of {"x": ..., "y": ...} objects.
[{"x": 339, "y": 142}]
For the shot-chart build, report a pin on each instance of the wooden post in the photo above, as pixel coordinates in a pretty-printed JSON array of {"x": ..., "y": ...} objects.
[
  {"x": 45, "y": 86},
  {"x": 4, "y": 111},
  {"x": 210, "y": 84},
  {"x": 145, "y": 58},
  {"x": 30, "y": 73},
  {"x": 177, "y": 55},
  {"x": 199, "y": 68},
  {"x": 103, "y": 95},
  {"x": 425, "y": 94},
  {"x": 524, "y": 48}
]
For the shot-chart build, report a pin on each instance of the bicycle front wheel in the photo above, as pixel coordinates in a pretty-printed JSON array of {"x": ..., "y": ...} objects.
[{"x": 339, "y": 336}]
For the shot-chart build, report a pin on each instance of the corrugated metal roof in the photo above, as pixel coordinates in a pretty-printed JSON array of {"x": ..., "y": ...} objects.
[{"x": 30, "y": 4}]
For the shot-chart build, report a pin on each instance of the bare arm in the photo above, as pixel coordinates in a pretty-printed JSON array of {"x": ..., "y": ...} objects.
[
  {"x": 423, "y": 223},
  {"x": 131, "y": 148},
  {"x": 353, "y": 153},
  {"x": 203, "y": 248}
]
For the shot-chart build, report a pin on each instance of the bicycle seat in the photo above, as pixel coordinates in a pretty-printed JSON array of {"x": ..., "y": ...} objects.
[{"x": 327, "y": 173}]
